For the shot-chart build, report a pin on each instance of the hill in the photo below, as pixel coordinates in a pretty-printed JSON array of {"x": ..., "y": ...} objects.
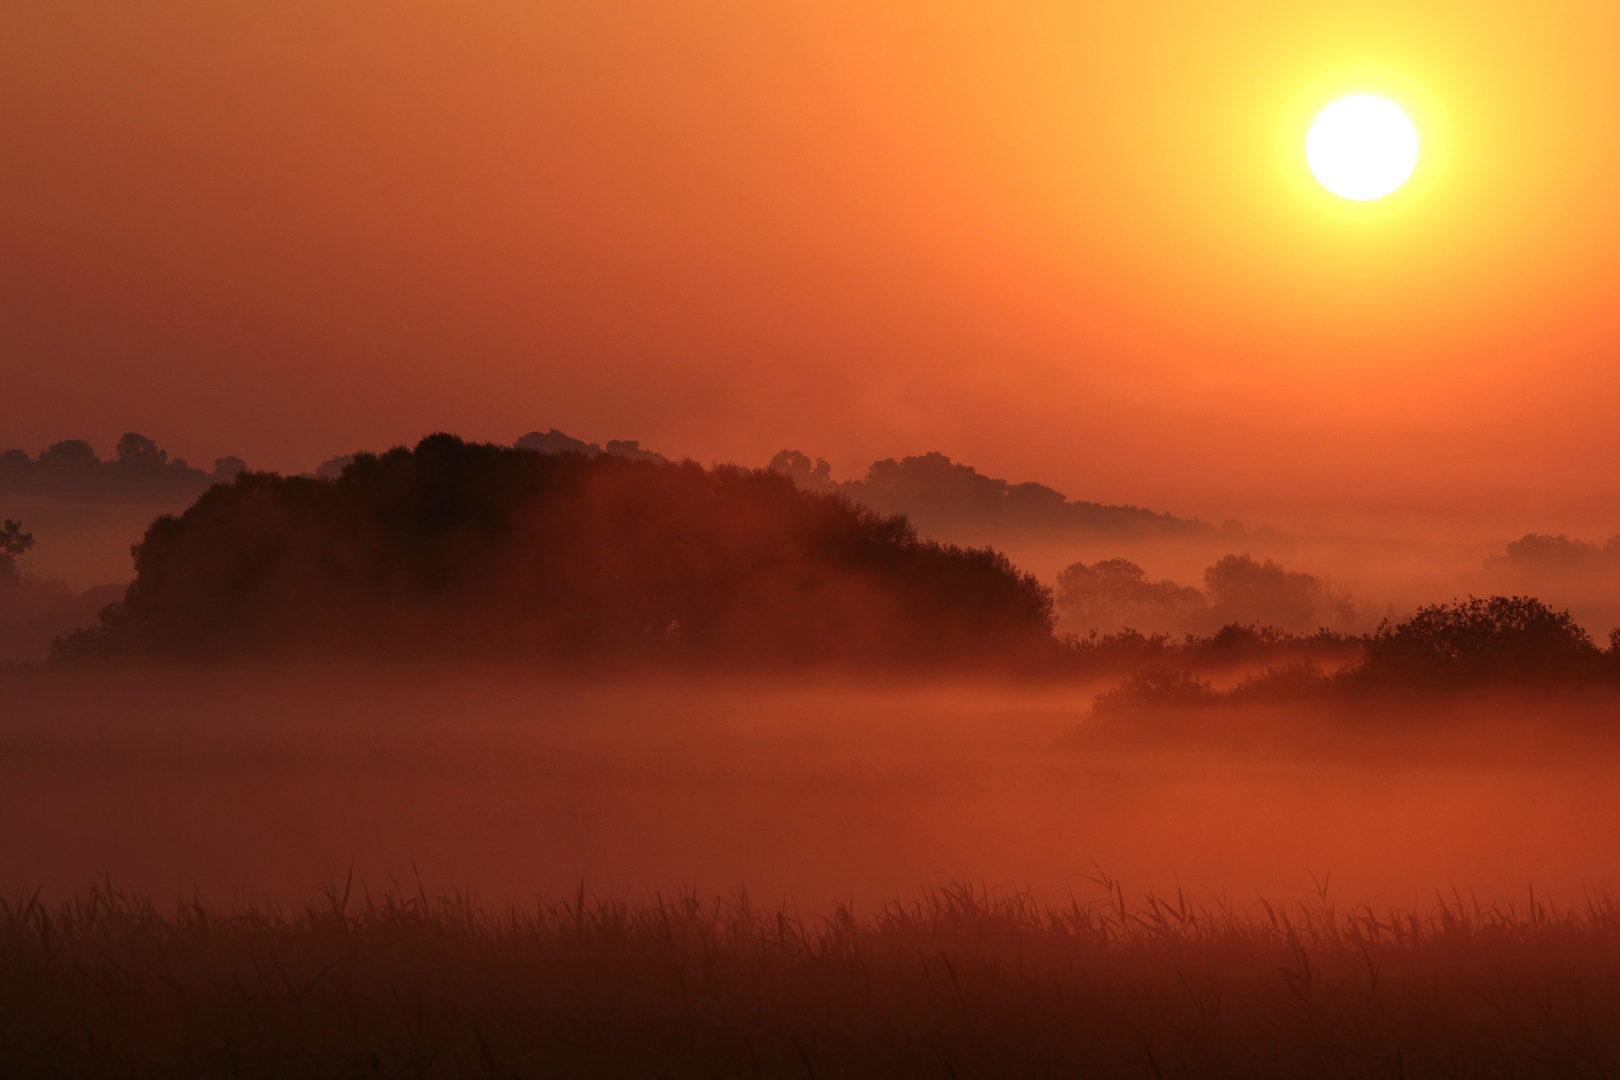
[{"x": 945, "y": 497}]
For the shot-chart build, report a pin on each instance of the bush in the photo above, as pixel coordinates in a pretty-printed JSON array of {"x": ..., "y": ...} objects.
[
  {"x": 1499, "y": 639},
  {"x": 1158, "y": 689}
]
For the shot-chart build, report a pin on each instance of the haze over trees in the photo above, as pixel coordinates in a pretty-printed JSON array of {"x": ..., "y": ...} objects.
[
  {"x": 1481, "y": 643},
  {"x": 141, "y": 471},
  {"x": 455, "y": 548},
  {"x": 35, "y": 610},
  {"x": 555, "y": 442},
  {"x": 943, "y": 496},
  {"x": 1579, "y": 574},
  {"x": 1238, "y": 589}
]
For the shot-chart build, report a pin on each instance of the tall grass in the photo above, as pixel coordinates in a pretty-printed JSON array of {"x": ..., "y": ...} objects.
[{"x": 959, "y": 983}]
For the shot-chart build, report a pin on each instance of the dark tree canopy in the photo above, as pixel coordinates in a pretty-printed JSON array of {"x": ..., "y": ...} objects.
[
  {"x": 456, "y": 548},
  {"x": 1477, "y": 641}
]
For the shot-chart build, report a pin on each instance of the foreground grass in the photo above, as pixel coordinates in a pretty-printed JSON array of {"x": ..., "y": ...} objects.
[{"x": 957, "y": 984}]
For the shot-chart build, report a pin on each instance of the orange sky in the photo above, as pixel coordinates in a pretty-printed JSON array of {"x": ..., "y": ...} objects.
[{"x": 1073, "y": 242}]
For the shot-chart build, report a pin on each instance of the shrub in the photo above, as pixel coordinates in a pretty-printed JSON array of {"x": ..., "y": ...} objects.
[{"x": 1498, "y": 639}]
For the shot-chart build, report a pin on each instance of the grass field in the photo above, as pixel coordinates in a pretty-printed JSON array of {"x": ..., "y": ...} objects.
[
  {"x": 212, "y": 806},
  {"x": 957, "y": 983}
]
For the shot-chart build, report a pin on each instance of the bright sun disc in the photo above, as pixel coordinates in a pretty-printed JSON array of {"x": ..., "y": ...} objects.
[{"x": 1362, "y": 147}]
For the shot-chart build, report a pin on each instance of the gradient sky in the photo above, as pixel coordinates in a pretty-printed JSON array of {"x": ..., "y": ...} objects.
[{"x": 1073, "y": 242}]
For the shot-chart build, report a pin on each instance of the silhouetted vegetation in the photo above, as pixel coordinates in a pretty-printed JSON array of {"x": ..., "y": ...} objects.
[
  {"x": 70, "y": 471},
  {"x": 35, "y": 610},
  {"x": 942, "y": 496},
  {"x": 962, "y": 983},
  {"x": 478, "y": 550},
  {"x": 1583, "y": 576},
  {"x": 555, "y": 442},
  {"x": 1542, "y": 552},
  {"x": 1238, "y": 589},
  {"x": 1500, "y": 642},
  {"x": 13, "y": 543},
  {"x": 1235, "y": 645},
  {"x": 1477, "y": 642},
  {"x": 1117, "y": 593}
]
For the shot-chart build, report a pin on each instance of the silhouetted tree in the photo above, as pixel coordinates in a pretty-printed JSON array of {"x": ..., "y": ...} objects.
[
  {"x": 457, "y": 548},
  {"x": 13, "y": 542}
]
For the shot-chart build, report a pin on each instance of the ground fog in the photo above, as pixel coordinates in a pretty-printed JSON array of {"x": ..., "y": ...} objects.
[{"x": 516, "y": 787}]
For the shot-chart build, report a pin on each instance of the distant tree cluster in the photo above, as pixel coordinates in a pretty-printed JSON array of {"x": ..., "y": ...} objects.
[
  {"x": 1534, "y": 551},
  {"x": 943, "y": 496},
  {"x": 1576, "y": 573},
  {"x": 70, "y": 470},
  {"x": 1235, "y": 645},
  {"x": 462, "y": 549},
  {"x": 555, "y": 442},
  {"x": 1238, "y": 589},
  {"x": 1482, "y": 642}
]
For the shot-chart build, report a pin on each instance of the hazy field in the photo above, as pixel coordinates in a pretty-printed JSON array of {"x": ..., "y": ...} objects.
[{"x": 513, "y": 787}]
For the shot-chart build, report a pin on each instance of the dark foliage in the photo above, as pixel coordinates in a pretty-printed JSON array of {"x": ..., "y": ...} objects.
[
  {"x": 1499, "y": 639},
  {"x": 1493, "y": 642},
  {"x": 13, "y": 542},
  {"x": 1234, "y": 645},
  {"x": 486, "y": 551},
  {"x": 71, "y": 471}
]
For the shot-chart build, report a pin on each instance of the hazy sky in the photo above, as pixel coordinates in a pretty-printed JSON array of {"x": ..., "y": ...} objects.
[{"x": 1066, "y": 241}]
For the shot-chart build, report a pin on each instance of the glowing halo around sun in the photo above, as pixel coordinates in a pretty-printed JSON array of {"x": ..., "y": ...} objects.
[{"x": 1362, "y": 147}]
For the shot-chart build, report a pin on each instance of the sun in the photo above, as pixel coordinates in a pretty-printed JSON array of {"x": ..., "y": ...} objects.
[{"x": 1362, "y": 147}]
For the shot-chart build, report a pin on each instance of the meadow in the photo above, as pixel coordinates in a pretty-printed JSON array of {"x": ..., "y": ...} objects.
[
  {"x": 958, "y": 982},
  {"x": 287, "y": 872}
]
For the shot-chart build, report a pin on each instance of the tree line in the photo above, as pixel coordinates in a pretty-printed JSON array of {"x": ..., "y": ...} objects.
[
  {"x": 1492, "y": 642},
  {"x": 1238, "y": 589},
  {"x": 942, "y": 495},
  {"x": 71, "y": 470},
  {"x": 472, "y": 550}
]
